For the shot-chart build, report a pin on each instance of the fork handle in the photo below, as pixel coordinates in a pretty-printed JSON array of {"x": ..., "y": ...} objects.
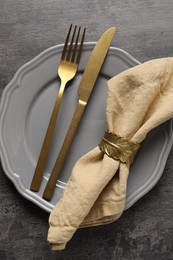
[
  {"x": 51, "y": 184},
  {"x": 38, "y": 174}
]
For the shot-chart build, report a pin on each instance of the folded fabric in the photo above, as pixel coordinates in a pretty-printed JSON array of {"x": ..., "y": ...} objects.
[{"x": 139, "y": 99}]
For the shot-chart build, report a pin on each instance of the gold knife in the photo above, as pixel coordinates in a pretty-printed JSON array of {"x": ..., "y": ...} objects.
[{"x": 87, "y": 83}]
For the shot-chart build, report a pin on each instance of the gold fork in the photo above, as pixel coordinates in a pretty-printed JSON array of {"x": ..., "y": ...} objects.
[{"x": 67, "y": 70}]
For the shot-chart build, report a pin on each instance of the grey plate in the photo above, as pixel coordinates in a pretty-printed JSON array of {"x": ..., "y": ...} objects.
[{"x": 26, "y": 105}]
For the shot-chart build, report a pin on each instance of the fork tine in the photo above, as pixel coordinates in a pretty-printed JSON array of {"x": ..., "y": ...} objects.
[
  {"x": 75, "y": 47},
  {"x": 71, "y": 44},
  {"x": 66, "y": 42},
  {"x": 80, "y": 48}
]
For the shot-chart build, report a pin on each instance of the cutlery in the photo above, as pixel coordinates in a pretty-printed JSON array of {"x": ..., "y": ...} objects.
[
  {"x": 87, "y": 83},
  {"x": 67, "y": 70}
]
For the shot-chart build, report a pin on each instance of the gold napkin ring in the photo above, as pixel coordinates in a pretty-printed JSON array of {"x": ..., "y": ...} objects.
[{"x": 119, "y": 148}]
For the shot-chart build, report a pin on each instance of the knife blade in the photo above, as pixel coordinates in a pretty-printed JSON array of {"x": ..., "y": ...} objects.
[{"x": 86, "y": 86}]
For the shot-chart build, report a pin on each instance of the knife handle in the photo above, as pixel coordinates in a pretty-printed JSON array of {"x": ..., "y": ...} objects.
[
  {"x": 51, "y": 184},
  {"x": 38, "y": 174}
]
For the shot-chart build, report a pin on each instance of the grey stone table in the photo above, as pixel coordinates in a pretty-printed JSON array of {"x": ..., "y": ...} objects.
[{"x": 145, "y": 30}]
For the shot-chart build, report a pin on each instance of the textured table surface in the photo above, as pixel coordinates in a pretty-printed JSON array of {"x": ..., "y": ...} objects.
[{"x": 145, "y": 30}]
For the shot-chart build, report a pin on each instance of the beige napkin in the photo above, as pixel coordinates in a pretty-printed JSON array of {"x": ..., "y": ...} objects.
[{"x": 138, "y": 100}]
